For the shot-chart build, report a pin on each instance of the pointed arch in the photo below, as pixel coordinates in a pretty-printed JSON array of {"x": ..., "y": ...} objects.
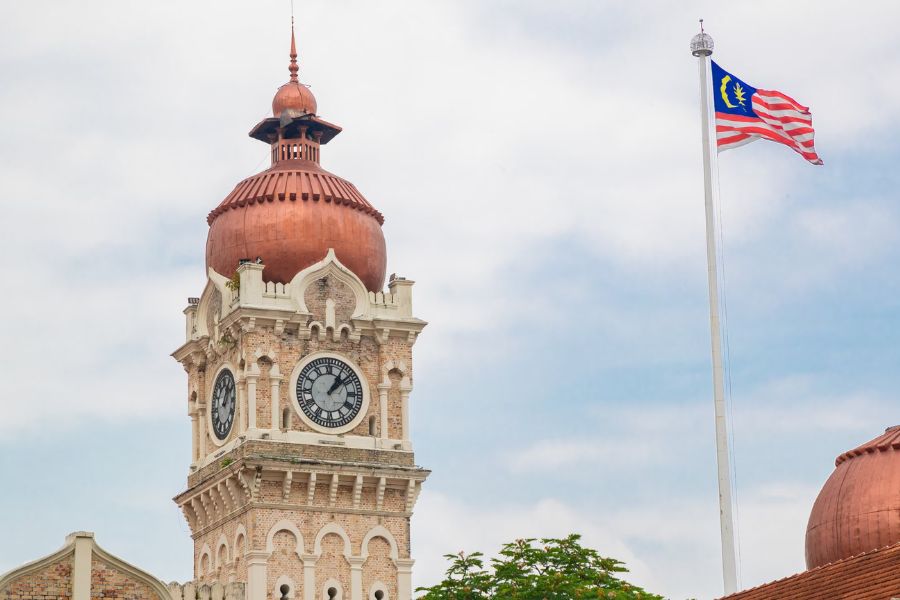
[
  {"x": 222, "y": 541},
  {"x": 332, "y": 267},
  {"x": 205, "y": 551},
  {"x": 239, "y": 531}
]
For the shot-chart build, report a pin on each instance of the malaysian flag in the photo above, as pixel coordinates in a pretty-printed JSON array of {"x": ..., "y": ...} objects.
[{"x": 745, "y": 113}]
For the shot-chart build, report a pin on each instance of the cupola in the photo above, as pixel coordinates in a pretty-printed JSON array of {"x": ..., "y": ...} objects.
[{"x": 292, "y": 213}]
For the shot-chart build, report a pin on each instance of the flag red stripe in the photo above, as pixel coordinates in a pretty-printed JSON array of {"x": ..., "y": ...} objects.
[
  {"x": 778, "y": 118},
  {"x": 796, "y": 104}
]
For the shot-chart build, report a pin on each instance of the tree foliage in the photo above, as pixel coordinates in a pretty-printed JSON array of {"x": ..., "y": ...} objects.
[{"x": 531, "y": 569}]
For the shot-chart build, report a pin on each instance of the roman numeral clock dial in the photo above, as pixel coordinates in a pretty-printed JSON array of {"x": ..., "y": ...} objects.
[
  {"x": 223, "y": 404},
  {"x": 329, "y": 392}
]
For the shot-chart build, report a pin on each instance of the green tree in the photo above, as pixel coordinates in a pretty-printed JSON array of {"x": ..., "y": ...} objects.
[{"x": 530, "y": 569}]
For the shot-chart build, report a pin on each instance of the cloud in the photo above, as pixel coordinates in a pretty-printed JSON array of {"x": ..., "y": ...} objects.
[{"x": 670, "y": 544}]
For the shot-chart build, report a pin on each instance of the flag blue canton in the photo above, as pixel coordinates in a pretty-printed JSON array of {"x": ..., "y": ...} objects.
[{"x": 730, "y": 94}]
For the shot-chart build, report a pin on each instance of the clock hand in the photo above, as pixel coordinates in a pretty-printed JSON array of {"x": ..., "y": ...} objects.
[{"x": 337, "y": 383}]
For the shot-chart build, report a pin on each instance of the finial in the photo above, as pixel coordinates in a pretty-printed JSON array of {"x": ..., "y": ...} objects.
[
  {"x": 701, "y": 24},
  {"x": 702, "y": 43},
  {"x": 293, "y": 68}
]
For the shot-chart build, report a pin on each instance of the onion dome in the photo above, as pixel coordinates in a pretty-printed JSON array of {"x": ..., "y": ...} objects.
[
  {"x": 293, "y": 95},
  {"x": 292, "y": 213},
  {"x": 858, "y": 509}
]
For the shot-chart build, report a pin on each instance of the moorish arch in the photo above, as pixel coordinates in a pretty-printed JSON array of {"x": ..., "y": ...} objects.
[
  {"x": 285, "y": 525},
  {"x": 382, "y": 532},
  {"x": 337, "y": 530},
  {"x": 222, "y": 554}
]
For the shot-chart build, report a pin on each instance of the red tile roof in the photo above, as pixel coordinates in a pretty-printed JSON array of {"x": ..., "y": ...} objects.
[{"x": 872, "y": 575}]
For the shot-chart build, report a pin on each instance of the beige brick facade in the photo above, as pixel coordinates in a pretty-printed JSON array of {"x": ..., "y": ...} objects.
[
  {"x": 53, "y": 582},
  {"x": 283, "y": 500}
]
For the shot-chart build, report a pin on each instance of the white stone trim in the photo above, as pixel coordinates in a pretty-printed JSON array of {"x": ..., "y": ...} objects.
[
  {"x": 205, "y": 551},
  {"x": 328, "y": 529},
  {"x": 330, "y": 266},
  {"x": 295, "y": 402},
  {"x": 285, "y": 525},
  {"x": 382, "y": 532},
  {"x": 284, "y": 579},
  {"x": 222, "y": 541},
  {"x": 120, "y": 565},
  {"x": 84, "y": 549},
  {"x": 239, "y": 531},
  {"x": 234, "y": 423},
  {"x": 378, "y": 585},
  {"x": 332, "y": 583},
  {"x": 37, "y": 565}
]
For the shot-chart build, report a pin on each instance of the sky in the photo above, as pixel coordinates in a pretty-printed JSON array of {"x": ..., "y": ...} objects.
[{"x": 539, "y": 167}]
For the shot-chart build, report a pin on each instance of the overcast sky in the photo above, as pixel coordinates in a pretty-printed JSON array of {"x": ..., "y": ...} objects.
[{"x": 538, "y": 164}]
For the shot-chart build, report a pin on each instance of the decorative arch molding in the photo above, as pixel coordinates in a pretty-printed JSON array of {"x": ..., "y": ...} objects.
[
  {"x": 83, "y": 541},
  {"x": 205, "y": 551},
  {"x": 135, "y": 573},
  {"x": 239, "y": 531},
  {"x": 222, "y": 541},
  {"x": 37, "y": 565},
  {"x": 329, "y": 529},
  {"x": 332, "y": 267},
  {"x": 285, "y": 525},
  {"x": 284, "y": 579},
  {"x": 375, "y": 587},
  {"x": 400, "y": 367},
  {"x": 382, "y": 532},
  {"x": 333, "y": 583},
  {"x": 215, "y": 283}
]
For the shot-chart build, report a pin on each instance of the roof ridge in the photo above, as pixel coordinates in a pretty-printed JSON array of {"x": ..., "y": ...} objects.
[
  {"x": 889, "y": 440},
  {"x": 811, "y": 572},
  {"x": 281, "y": 183}
]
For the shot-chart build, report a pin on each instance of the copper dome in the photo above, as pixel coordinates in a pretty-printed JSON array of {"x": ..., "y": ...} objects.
[
  {"x": 293, "y": 96},
  {"x": 290, "y": 215},
  {"x": 858, "y": 508}
]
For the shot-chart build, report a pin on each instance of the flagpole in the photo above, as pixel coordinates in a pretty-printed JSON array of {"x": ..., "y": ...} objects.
[{"x": 702, "y": 47}]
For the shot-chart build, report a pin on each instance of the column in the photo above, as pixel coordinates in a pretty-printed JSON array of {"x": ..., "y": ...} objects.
[
  {"x": 275, "y": 385},
  {"x": 309, "y": 577},
  {"x": 383, "y": 389},
  {"x": 202, "y": 445},
  {"x": 356, "y": 577},
  {"x": 195, "y": 436},
  {"x": 404, "y": 578},
  {"x": 257, "y": 576},
  {"x": 242, "y": 406},
  {"x": 252, "y": 378},
  {"x": 81, "y": 567},
  {"x": 404, "y": 411}
]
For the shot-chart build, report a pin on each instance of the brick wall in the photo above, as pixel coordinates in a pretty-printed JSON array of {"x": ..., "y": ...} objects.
[
  {"x": 53, "y": 582},
  {"x": 108, "y": 583}
]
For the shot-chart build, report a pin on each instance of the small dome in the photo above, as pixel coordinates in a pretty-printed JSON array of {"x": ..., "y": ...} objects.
[
  {"x": 858, "y": 509},
  {"x": 293, "y": 96}
]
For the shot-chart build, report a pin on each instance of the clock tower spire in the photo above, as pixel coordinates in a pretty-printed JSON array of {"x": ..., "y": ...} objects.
[{"x": 302, "y": 476}]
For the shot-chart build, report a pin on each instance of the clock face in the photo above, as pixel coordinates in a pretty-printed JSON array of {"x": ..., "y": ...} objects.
[
  {"x": 329, "y": 392},
  {"x": 223, "y": 404}
]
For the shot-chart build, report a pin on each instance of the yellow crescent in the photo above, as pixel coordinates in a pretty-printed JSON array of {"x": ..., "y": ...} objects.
[{"x": 722, "y": 89}]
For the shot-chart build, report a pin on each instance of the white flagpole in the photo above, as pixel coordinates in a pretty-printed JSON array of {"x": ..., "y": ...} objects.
[{"x": 702, "y": 48}]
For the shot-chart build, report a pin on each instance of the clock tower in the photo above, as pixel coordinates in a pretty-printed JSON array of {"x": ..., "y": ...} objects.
[{"x": 302, "y": 479}]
